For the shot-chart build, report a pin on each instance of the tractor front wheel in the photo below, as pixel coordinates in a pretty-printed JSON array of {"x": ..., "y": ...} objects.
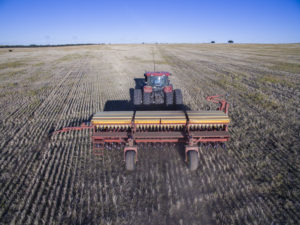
[
  {"x": 178, "y": 97},
  {"x": 137, "y": 97},
  {"x": 130, "y": 160},
  {"x": 193, "y": 160}
]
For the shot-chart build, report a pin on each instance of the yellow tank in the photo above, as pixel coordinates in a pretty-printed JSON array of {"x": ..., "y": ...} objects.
[{"x": 160, "y": 119}]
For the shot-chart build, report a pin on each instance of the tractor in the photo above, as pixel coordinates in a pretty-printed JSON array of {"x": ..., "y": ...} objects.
[{"x": 157, "y": 90}]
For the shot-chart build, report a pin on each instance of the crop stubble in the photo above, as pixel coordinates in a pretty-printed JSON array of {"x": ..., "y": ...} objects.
[{"x": 56, "y": 179}]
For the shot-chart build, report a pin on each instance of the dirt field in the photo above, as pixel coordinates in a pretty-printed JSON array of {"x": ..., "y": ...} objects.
[{"x": 47, "y": 179}]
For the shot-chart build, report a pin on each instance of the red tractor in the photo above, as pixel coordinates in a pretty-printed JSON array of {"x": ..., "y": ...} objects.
[{"x": 157, "y": 90}]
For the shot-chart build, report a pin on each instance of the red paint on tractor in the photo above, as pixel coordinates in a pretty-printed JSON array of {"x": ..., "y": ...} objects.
[
  {"x": 168, "y": 89},
  {"x": 147, "y": 89}
]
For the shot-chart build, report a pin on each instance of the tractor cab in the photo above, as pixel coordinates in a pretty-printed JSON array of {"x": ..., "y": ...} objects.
[{"x": 157, "y": 80}]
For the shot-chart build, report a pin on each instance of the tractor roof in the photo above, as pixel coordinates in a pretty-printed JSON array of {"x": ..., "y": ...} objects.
[{"x": 157, "y": 73}]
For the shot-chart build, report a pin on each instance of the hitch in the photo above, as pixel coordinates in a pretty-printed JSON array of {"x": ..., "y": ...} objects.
[
  {"x": 83, "y": 126},
  {"x": 224, "y": 105}
]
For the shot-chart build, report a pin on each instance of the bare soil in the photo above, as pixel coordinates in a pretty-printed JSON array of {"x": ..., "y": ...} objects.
[{"x": 55, "y": 179}]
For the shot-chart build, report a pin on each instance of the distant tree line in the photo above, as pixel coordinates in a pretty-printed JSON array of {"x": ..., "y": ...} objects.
[
  {"x": 230, "y": 42},
  {"x": 38, "y": 46},
  {"x": 80, "y": 44}
]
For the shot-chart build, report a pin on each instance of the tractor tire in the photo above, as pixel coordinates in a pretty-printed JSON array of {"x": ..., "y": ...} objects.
[
  {"x": 130, "y": 160},
  {"x": 193, "y": 160},
  {"x": 178, "y": 97},
  {"x": 169, "y": 99},
  {"x": 147, "y": 98},
  {"x": 137, "y": 97}
]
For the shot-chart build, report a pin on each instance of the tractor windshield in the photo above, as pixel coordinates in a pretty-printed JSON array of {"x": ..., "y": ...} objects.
[{"x": 157, "y": 81}]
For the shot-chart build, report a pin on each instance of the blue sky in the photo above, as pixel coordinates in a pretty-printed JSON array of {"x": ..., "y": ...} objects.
[{"x": 133, "y": 21}]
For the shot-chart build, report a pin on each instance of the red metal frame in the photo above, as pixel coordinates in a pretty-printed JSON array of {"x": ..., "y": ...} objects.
[
  {"x": 148, "y": 89},
  {"x": 83, "y": 126},
  {"x": 157, "y": 73},
  {"x": 224, "y": 105},
  {"x": 168, "y": 89},
  {"x": 98, "y": 150},
  {"x": 133, "y": 136}
]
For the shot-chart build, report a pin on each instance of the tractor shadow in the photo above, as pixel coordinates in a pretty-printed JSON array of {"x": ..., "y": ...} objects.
[
  {"x": 127, "y": 105},
  {"x": 118, "y": 105}
]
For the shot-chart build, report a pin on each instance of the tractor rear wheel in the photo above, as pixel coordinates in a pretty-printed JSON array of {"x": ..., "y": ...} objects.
[
  {"x": 130, "y": 160},
  {"x": 178, "y": 97},
  {"x": 169, "y": 98},
  {"x": 147, "y": 98},
  {"x": 137, "y": 97},
  {"x": 193, "y": 160}
]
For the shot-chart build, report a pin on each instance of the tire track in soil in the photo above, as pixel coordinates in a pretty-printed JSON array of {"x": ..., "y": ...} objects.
[
  {"x": 238, "y": 159},
  {"x": 187, "y": 65}
]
